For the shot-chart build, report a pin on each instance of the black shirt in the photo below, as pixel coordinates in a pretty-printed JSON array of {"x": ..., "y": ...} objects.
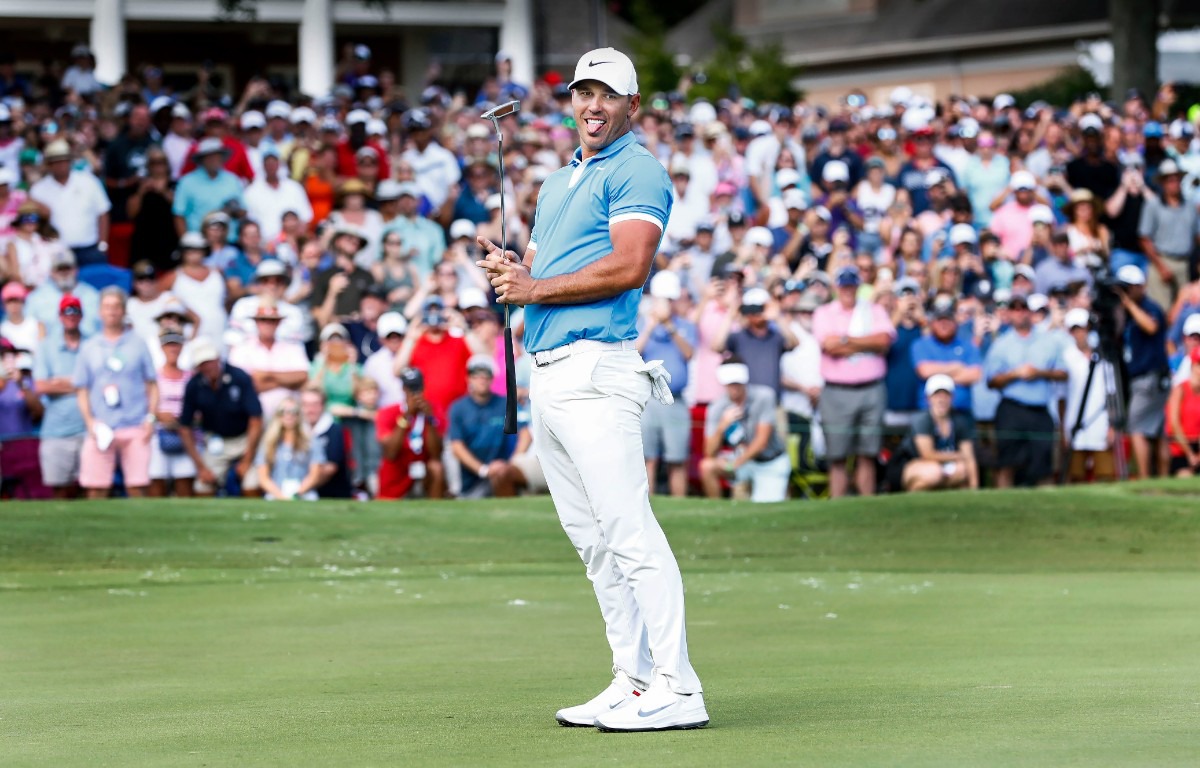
[
  {"x": 1124, "y": 225},
  {"x": 347, "y": 301},
  {"x": 224, "y": 411},
  {"x": 1101, "y": 178},
  {"x": 333, "y": 441},
  {"x": 124, "y": 159}
]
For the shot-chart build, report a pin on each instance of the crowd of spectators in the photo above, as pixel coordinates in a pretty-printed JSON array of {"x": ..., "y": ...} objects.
[{"x": 206, "y": 294}]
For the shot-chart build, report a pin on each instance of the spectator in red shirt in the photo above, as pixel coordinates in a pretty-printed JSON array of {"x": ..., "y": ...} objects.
[
  {"x": 216, "y": 125},
  {"x": 439, "y": 355},
  {"x": 356, "y": 138},
  {"x": 412, "y": 445}
]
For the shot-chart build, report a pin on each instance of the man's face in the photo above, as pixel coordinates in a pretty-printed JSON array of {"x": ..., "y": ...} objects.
[
  {"x": 272, "y": 287},
  {"x": 944, "y": 329},
  {"x": 1025, "y": 197},
  {"x": 1020, "y": 316},
  {"x": 736, "y": 392},
  {"x": 847, "y": 294},
  {"x": 65, "y": 277},
  {"x": 345, "y": 245},
  {"x": 266, "y": 330},
  {"x": 311, "y": 407},
  {"x": 210, "y": 370},
  {"x": 407, "y": 205},
  {"x": 112, "y": 311},
  {"x": 59, "y": 169},
  {"x": 393, "y": 342},
  {"x": 370, "y": 308},
  {"x": 754, "y": 317},
  {"x": 212, "y": 163},
  {"x": 271, "y": 167},
  {"x": 139, "y": 120},
  {"x": 1170, "y": 184},
  {"x": 601, "y": 115},
  {"x": 70, "y": 321},
  {"x": 479, "y": 383},
  {"x": 1135, "y": 292},
  {"x": 1062, "y": 251}
]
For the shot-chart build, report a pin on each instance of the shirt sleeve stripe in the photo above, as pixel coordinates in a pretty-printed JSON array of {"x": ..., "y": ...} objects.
[{"x": 635, "y": 217}]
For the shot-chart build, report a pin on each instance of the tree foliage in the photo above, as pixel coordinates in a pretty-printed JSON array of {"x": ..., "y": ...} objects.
[
  {"x": 1065, "y": 87},
  {"x": 655, "y": 64},
  {"x": 737, "y": 69}
]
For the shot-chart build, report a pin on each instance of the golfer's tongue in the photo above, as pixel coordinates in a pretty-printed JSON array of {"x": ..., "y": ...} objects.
[{"x": 595, "y": 125}]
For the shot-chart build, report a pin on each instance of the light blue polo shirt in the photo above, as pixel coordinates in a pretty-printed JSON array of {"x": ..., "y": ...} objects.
[
  {"x": 53, "y": 360},
  {"x": 570, "y": 230},
  {"x": 123, "y": 364},
  {"x": 1012, "y": 350},
  {"x": 198, "y": 194}
]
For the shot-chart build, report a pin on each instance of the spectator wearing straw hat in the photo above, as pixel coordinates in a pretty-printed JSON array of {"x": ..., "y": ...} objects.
[
  {"x": 278, "y": 368},
  {"x": 270, "y": 285},
  {"x": 1170, "y": 231},
  {"x": 338, "y": 290},
  {"x": 206, "y": 189},
  {"x": 79, "y": 208}
]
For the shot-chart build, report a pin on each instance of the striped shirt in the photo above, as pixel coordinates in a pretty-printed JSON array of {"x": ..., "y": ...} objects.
[{"x": 170, "y": 392}]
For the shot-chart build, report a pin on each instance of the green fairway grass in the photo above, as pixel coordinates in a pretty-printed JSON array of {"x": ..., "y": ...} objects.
[{"x": 1028, "y": 628}]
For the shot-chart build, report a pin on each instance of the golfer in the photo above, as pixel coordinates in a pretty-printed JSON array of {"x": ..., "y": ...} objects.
[{"x": 597, "y": 226}]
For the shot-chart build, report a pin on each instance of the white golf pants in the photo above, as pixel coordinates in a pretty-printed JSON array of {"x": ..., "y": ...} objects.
[{"x": 586, "y": 422}]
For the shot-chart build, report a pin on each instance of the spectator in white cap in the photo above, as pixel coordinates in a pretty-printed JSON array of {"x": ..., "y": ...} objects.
[
  {"x": 79, "y": 208},
  {"x": 1086, "y": 432},
  {"x": 1169, "y": 229},
  {"x": 273, "y": 193},
  {"x": 763, "y": 154},
  {"x": 686, "y": 212},
  {"x": 1181, "y": 361},
  {"x": 741, "y": 440},
  {"x": 666, "y": 334},
  {"x": 380, "y": 366},
  {"x": 762, "y": 339},
  {"x": 939, "y": 451},
  {"x": 1091, "y": 170},
  {"x": 270, "y": 285},
  {"x": 1147, "y": 368},
  {"x": 789, "y": 237},
  {"x": 1043, "y": 220},
  {"x": 1012, "y": 219},
  {"x": 436, "y": 167},
  {"x": 837, "y": 149},
  {"x": 425, "y": 238},
  {"x": 843, "y": 211},
  {"x": 476, "y": 431},
  {"x": 355, "y": 139}
]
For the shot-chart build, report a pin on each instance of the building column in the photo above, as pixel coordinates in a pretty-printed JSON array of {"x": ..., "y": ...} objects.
[
  {"x": 516, "y": 37},
  {"x": 316, "y": 47},
  {"x": 108, "y": 40}
]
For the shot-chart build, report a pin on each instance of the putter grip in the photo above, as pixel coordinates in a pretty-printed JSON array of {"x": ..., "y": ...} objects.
[{"x": 510, "y": 385}]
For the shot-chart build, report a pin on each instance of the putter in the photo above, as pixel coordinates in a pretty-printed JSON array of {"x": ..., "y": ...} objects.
[{"x": 510, "y": 368}]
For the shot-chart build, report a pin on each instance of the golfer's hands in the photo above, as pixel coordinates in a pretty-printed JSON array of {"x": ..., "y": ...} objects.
[
  {"x": 509, "y": 277},
  {"x": 660, "y": 381}
]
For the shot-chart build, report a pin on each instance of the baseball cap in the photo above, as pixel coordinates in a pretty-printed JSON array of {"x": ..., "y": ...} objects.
[
  {"x": 760, "y": 128},
  {"x": 493, "y": 202},
  {"x": 1025, "y": 271},
  {"x": 481, "y": 364},
  {"x": 13, "y": 289},
  {"x": 160, "y": 103},
  {"x": 961, "y": 234},
  {"x": 939, "y": 382},
  {"x": 270, "y": 150},
  {"x": 357, "y": 116},
  {"x": 181, "y": 111},
  {"x": 193, "y": 241},
  {"x": 387, "y": 190},
  {"x": 303, "y": 115},
  {"x": 409, "y": 188},
  {"x": 886, "y": 133},
  {"x": 204, "y": 351},
  {"x": 270, "y": 268},
  {"x": 171, "y": 308},
  {"x": 70, "y": 305},
  {"x": 472, "y": 298},
  {"x": 62, "y": 258},
  {"x": 1003, "y": 101},
  {"x": 736, "y": 219},
  {"x": 906, "y": 285},
  {"x": 142, "y": 269},
  {"x": 417, "y": 120},
  {"x": 1181, "y": 129},
  {"x": 1152, "y": 130},
  {"x": 943, "y": 309},
  {"x": 389, "y": 323},
  {"x": 609, "y": 66},
  {"x": 170, "y": 336},
  {"x": 1191, "y": 326},
  {"x": 209, "y": 146},
  {"x": 848, "y": 277},
  {"x": 935, "y": 176},
  {"x": 733, "y": 373},
  {"x": 412, "y": 380},
  {"x": 1091, "y": 122},
  {"x": 755, "y": 297},
  {"x": 1023, "y": 180},
  {"x": 362, "y": 52},
  {"x": 253, "y": 119},
  {"x": 835, "y": 171},
  {"x": 789, "y": 177},
  {"x": 1041, "y": 214},
  {"x": 666, "y": 285},
  {"x": 279, "y": 108},
  {"x": 1037, "y": 302},
  {"x": 793, "y": 199},
  {"x": 1077, "y": 318},
  {"x": 1130, "y": 274},
  {"x": 333, "y": 329},
  {"x": 462, "y": 228},
  {"x": 760, "y": 236},
  {"x": 1168, "y": 167}
]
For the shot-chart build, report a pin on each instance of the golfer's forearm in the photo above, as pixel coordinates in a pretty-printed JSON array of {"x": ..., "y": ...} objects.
[{"x": 602, "y": 279}]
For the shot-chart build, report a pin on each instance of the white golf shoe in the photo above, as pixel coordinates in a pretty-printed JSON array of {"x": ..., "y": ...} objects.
[
  {"x": 619, "y": 693},
  {"x": 658, "y": 709}
]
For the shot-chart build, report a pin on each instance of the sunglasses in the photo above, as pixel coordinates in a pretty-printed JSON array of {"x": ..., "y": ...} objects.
[
  {"x": 71, "y": 312},
  {"x": 289, "y": 411},
  {"x": 142, "y": 278},
  {"x": 64, "y": 268},
  {"x": 17, "y": 299}
]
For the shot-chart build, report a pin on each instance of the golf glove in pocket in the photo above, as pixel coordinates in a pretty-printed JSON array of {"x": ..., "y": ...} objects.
[{"x": 660, "y": 381}]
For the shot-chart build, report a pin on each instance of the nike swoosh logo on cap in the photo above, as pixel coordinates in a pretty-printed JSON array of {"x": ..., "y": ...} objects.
[
  {"x": 598, "y": 63},
  {"x": 653, "y": 711}
]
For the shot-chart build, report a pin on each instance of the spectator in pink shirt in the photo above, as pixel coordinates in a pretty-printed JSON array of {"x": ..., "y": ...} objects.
[
  {"x": 278, "y": 367},
  {"x": 854, "y": 336},
  {"x": 1013, "y": 221}
]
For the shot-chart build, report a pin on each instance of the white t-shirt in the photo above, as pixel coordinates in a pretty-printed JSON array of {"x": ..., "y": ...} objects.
[
  {"x": 1093, "y": 435},
  {"x": 801, "y": 363},
  {"x": 435, "y": 170},
  {"x": 23, "y": 335},
  {"x": 874, "y": 204},
  {"x": 75, "y": 207},
  {"x": 267, "y": 204},
  {"x": 143, "y": 316},
  {"x": 379, "y": 367}
]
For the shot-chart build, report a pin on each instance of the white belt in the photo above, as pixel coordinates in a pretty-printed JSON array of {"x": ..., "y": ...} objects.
[{"x": 550, "y": 356}]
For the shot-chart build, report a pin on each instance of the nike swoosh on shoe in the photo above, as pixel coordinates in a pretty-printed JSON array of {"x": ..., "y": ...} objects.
[{"x": 653, "y": 711}]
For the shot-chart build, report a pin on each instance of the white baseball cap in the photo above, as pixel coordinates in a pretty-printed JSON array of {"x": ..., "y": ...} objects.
[
  {"x": 793, "y": 199},
  {"x": 755, "y": 297},
  {"x": 1041, "y": 214},
  {"x": 253, "y": 119},
  {"x": 1091, "y": 122},
  {"x": 788, "y": 177},
  {"x": 357, "y": 116},
  {"x": 472, "y": 298},
  {"x": 963, "y": 233},
  {"x": 760, "y": 236},
  {"x": 939, "y": 382},
  {"x": 391, "y": 322},
  {"x": 733, "y": 373},
  {"x": 1191, "y": 326},
  {"x": 759, "y": 128},
  {"x": 1130, "y": 274},
  {"x": 835, "y": 170},
  {"x": 1077, "y": 318},
  {"x": 1037, "y": 302},
  {"x": 609, "y": 66},
  {"x": 462, "y": 228},
  {"x": 279, "y": 108},
  {"x": 666, "y": 285},
  {"x": 1003, "y": 101},
  {"x": 203, "y": 351},
  {"x": 1023, "y": 180},
  {"x": 303, "y": 115},
  {"x": 1025, "y": 271}
]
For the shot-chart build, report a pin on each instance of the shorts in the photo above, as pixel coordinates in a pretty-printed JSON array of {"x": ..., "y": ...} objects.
[
  {"x": 852, "y": 419},
  {"x": 768, "y": 479},
  {"x": 219, "y": 455},
  {"x": 60, "y": 460},
  {"x": 130, "y": 446},
  {"x": 1147, "y": 404},
  {"x": 1025, "y": 440},
  {"x": 173, "y": 466},
  {"x": 531, "y": 468},
  {"x": 666, "y": 431}
]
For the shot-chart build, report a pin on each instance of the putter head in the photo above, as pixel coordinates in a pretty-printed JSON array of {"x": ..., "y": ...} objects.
[{"x": 501, "y": 110}]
